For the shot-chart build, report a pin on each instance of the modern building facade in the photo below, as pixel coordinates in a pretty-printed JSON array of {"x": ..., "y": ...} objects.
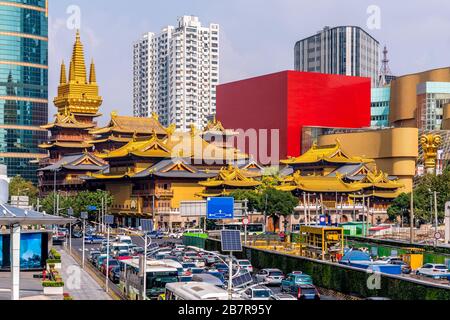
[
  {"x": 285, "y": 102},
  {"x": 418, "y": 100},
  {"x": 23, "y": 84},
  {"x": 176, "y": 73},
  {"x": 344, "y": 50},
  {"x": 380, "y": 101}
]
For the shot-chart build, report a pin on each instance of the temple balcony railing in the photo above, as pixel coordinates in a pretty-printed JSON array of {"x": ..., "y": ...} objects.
[{"x": 60, "y": 183}]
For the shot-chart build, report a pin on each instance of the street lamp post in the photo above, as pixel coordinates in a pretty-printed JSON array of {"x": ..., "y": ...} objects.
[{"x": 436, "y": 216}]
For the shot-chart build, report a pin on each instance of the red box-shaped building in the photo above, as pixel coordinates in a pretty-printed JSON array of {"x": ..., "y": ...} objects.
[{"x": 291, "y": 100}]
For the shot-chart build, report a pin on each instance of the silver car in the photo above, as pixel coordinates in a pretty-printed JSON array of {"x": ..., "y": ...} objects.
[{"x": 270, "y": 276}]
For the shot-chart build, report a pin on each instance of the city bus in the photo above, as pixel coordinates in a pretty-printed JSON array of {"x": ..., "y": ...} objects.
[
  {"x": 193, "y": 291},
  {"x": 158, "y": 275},
  {"x": 253, "y": 229}
]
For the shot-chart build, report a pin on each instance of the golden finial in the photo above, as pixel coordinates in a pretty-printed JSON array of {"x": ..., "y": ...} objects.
[
  {"x": 193, "y": 130},
  {"x": 92, "y": 74},
  {"x": 114, "y": 114},
  {"x": 155, "y": 116},
  {"x": 181, "y": 153},
  {"x": 62, "y": 77},
  {"x": 135, "y": 136},
  {"x": 154, "y": 135},
  {"x": 171, "y": 129}
]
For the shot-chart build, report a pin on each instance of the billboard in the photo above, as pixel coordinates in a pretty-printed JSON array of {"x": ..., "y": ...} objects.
[{"x": 30, "y": 251}]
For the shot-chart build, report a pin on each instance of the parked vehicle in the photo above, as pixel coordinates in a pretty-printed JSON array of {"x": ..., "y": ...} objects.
[
  {"x": 220, "y": 267},
  {"x": 175, "y": 235},
  {"x": 282, "y": 296},
  {"x": 435, "y": 271},
  {"x": 114, "y": 275},
  {"x": 270, "y": 276},
  {"x": 112, "y": 263},
  {"x": 93, "y": 255},
  {"x": 137, "y": 251},
  {"x": 406, "y": 269},
  {"x": 124, "y": 239},
  {"x": 295, "y": 279},
  {"x": 94, "y": 239},
  {"x": 306, "y": 292},
  {"x": 99, "y": 260},
  {"x": 257, "y": 293},
  {"x": 123, "y": 256},
  {"x": 245, "y": 264},
  {"x": 155, "y": 235}
]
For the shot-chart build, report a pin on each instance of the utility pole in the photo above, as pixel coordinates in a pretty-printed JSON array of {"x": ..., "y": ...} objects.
[
  {"x": 436, "y": 215},
  {"x": 305, "y": 209},
  {"x": 411, "y": 218},
  {"x": 364, "y": 214}
]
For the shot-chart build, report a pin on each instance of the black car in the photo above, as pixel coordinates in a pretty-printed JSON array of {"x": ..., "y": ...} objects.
[{"x": 114, "y": 275}]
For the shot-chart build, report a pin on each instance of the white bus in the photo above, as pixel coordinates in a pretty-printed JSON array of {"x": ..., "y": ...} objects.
[
  {"x": 158, "y": 275},
  {"x": 253, "y": 229},
  {"x": 196, "y": 291}
]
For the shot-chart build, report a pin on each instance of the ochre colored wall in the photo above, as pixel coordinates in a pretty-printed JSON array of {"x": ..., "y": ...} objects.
[
  {"x": 185, "y": 192},
  {"x": 403, "y": 107},
  {"x": 121, "y": 193},
  {"x": 394, "y": 150},
  {"x": 446, "y": 118}
]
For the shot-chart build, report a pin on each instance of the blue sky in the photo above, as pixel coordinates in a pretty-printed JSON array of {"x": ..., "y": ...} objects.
[{"x": 257, "y": 36}]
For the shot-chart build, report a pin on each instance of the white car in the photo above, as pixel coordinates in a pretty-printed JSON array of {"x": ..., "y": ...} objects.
[
  {"x": 257, "y": 293},
  {"x": 175, "y": 235},
  {"x": 270, "y": 276},
  {"x": 433, "y": 270},
  {"x": 246, "y": 265}
]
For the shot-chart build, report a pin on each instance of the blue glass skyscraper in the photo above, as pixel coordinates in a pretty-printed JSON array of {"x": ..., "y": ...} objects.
[{"x": 23, "y": 84}]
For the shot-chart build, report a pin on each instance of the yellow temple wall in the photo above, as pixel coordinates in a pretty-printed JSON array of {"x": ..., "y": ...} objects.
[
  {"x": 121, "y": 193},
  {"x": 395, "y": 151},
  {"x": 446, "y": 118},
  {"x": 185, "y": 192}
]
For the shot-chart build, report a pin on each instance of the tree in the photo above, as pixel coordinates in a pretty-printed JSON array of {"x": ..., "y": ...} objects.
[
  {"x": 424, "y": 199},
  {"x": 278, "y": 203},
  {"x": 78, "y": 203},
  {"x": 254, "y": 199},
  {"x": 18, "y": 186}
]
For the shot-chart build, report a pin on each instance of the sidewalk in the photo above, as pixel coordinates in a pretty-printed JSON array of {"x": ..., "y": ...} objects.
[{"x": 78, "y": 282}]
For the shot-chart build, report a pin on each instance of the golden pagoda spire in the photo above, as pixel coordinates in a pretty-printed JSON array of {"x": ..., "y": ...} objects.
[
  {"x": 92, "y": 74},
  {"x": 62, "y": 78},
  {"x": 71, "y": 72},
  {"x": 79, "y": 67}
]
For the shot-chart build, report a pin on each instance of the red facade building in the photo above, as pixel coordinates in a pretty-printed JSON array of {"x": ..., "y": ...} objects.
[{"x": 291, "y": 100}]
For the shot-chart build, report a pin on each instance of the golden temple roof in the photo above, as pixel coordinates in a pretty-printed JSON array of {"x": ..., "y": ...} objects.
[
  {"x": 132, "y": 125},
  {"x": 79, "y": 94},
  {"x": 374, "y": 181},
  {"x": 331, "y": 154},
  {"x": 148, "y": 148},
  {"x": 69, "y": 145},
  {"x": 215, "y": 127},
  {"x": 67, "y": 120},
  {"x": 231, "y": 177}
]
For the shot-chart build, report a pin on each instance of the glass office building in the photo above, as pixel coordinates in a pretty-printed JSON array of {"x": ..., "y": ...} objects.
[
  {"x": 23, "y": 84},
  {"x": 380, "y": 102},
  {"x": 344, "y": 50}
]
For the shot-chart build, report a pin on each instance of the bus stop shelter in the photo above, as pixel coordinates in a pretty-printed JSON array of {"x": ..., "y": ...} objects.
[{"x": 15, "y": 218}]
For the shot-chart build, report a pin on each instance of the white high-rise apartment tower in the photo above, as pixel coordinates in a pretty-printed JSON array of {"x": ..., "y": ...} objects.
[{"x": 176, "y": 73}]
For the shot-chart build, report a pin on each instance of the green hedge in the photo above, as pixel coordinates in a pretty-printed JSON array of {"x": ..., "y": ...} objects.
[
  {"x": 53, "y": 261},
  {"x": 53, "y": 284},
  {"x": 194, "y": 241},
  {"x": 340, "y": 278}
]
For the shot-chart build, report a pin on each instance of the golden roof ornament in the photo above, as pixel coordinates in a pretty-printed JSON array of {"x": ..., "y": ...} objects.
[
  {"x": 155, "y": 116},
  {"x": 171, "y": 129},
  {"x": 430, "y": 144}
]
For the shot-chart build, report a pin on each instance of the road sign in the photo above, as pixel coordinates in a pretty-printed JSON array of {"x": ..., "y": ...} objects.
[
  {"x": 231, "y": 241},
  {"x": 109, "y": 219},
  {"x": 323, "y": 220},
  {"x": 147, "y": 225},
  {"x": 245, "y": 221},
  {"x": 437, "y": 235},
  {"x": 220, "y": 208},
  {"x": 84, "y": 215},
  {"x": 91, "y": 208},
  {"x": 70, "y": 212}
]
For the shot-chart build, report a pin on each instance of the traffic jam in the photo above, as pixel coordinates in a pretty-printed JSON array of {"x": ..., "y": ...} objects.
[{"x": 173, "y": 271}]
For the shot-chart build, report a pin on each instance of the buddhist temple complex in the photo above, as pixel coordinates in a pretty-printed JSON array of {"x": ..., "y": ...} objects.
[{"x": 329, "y": 181}]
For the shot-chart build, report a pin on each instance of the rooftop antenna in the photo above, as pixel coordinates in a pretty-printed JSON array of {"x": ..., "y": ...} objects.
[{"x": 385, "y": 71}]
